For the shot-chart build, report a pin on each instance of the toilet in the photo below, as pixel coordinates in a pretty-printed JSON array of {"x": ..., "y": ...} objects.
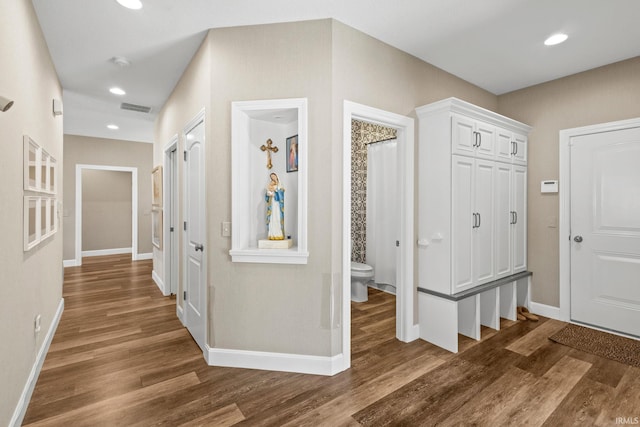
[{"x": 361, "y": 274}]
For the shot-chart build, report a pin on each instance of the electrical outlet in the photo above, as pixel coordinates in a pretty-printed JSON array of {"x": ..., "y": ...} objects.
[
  {"x": 36, "y": 323},
  {"x": 226, "y": 229}
]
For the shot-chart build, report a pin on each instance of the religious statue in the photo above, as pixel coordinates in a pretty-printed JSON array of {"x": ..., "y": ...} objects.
[{"x": 274, "y": 196}]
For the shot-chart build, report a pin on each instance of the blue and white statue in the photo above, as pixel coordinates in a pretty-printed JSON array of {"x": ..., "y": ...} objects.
[{"x": 274, "y": 197}]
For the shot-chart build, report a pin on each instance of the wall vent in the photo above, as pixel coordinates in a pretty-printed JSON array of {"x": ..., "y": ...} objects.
[{"x": 134, "y": 107}]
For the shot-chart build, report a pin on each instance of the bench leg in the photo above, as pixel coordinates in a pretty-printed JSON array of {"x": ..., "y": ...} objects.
[{"x": 438, "y": 321}]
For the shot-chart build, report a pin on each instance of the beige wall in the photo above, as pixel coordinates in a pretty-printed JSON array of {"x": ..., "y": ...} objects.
[
  {"x": 107, "y": 152},
  {"x": 31, "y": 282},
  {"x": 106, "y": 209},
  {"x": 601, "y": 95},
  {"x": 372, "y": 73},
  {"x": 285, "y": 308}
]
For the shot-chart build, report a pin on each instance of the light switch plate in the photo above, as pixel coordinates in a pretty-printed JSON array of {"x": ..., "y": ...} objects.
[{"x": 226, "y": 229}]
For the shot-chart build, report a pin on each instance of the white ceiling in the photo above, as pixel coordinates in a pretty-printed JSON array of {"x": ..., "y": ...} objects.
[{"x": 495, "y": 44}]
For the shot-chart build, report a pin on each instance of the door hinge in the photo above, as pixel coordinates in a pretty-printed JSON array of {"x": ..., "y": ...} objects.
[
  {"x": 171, "y": 229},
  {"x": 184, "y": 296},
  {"x": 184, "y": 225},
  {"x": 397, "y": 243},
  {"x": 185, "y": 155}
]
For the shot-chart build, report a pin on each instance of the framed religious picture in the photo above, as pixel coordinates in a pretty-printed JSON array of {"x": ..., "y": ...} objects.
[
  {"x": 156, "y": 186},
  {"x": 292, "y": 154}
]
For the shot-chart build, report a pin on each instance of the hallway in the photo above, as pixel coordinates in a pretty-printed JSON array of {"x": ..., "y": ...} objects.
[{"x": 120, "y": 357}]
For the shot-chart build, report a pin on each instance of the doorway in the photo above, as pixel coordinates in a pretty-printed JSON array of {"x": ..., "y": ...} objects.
[
  {"x": 406, "y": 330},
  {"x": 79, "y": 204},
  {"x": 600, "y": 226}
]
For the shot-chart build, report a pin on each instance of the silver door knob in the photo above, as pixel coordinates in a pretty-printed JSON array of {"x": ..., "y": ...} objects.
[
  {"x": 199, "y": 247},
  {"x": 577, "y": 239}
]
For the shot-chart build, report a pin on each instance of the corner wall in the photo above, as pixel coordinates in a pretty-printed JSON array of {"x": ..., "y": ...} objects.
[
  {"x": 601, "y": 95},
  {"x": 31, "y": 282}
]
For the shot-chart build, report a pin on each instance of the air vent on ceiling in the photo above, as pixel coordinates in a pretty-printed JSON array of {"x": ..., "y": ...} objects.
[{"x": 134, "y": 107}]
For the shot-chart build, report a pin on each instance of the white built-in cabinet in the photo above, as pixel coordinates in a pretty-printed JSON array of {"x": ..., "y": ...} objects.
[
  {"x": 472, "y": 220},
  {"x": 472, "y": 196}
]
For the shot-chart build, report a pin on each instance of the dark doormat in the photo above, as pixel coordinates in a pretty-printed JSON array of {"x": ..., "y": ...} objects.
[{"x": 614, "y": 347}]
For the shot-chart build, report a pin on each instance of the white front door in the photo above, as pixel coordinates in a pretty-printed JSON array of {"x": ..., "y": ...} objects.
[
  {"x": 605, "y": 230},
  {"x": 195, "y": 232}
]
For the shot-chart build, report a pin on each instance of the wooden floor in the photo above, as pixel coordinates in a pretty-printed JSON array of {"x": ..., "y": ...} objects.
[{"x": 120, "y": 357}]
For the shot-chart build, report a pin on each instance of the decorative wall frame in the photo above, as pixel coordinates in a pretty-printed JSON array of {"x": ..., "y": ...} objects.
[
  {"x": 156, "y": 186},
  {"x": 40, "y": 183},
  {"x": 40, "y": 168},
  {"x": 156, "y": 227},
  {"x": 39, "y": 220}
]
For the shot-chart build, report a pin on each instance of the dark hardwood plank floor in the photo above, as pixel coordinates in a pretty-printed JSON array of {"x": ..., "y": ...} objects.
[{"x": 120, "y": 357}]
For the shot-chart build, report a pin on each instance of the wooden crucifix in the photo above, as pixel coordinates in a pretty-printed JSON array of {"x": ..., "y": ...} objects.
[{"x": 269, "y": 148}]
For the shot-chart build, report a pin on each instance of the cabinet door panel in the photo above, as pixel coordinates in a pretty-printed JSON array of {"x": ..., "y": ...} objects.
[
  {"x": 463, "y": 137},
  {"x": 519, "y": 206},
  {"x": 503, "y": 220},
  {"x": 462, "y": 220},
  {"x": 520, "y": 155},
  {"x": 486, "y": 140},
  {"x": 484, "y": 255},
  {"x": 504, "y": 146}
]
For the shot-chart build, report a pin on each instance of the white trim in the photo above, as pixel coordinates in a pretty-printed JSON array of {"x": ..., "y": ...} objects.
[
  {"x": 144, "y": 256},
  {"x": 158, "y": 281},
  {"x": 25, "y": 397},
  {"x": 180, "y": 314},
  {"x": 69, "y": 263},
  {"x": 134, "y": 207},
  {"x": 406, "y": 330},
  {"x": 566, "y": 135},
  {"x": 284, "y": 362},
  {"x": 545, "y": 310},
  {"x": 167, "y": 167},
  {"x": 240, "y": 213},
  {"x": 103, "y": 252}
]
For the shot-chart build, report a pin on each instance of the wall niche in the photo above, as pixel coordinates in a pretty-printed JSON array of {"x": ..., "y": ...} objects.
[{"x": 269, "y": 136}]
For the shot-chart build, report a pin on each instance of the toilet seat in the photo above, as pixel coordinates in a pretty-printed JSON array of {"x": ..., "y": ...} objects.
[
  {"x": 358, "y": 266},
  {"x": 360, "y": 270}
]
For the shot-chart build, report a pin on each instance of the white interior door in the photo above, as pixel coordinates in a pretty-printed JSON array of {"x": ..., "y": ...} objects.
[
  {"x": 605, "y": 230},
  {"x": 195, "y": 232}
]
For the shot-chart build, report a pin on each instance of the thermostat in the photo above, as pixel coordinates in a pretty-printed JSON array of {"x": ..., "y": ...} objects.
[{"x": 549, "y": 186}]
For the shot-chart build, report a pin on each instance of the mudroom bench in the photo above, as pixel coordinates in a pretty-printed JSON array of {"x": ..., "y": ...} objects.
[{"x": 442, "y": 316}]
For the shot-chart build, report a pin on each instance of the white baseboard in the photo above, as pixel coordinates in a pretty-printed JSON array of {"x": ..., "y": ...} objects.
[
  {"x": 285, "y": 362},
  {"x": 23, "y": 403},
  {"x": 159, "y": 282},
  {"x": 69, "y": 263},
  {"x": 545, "y": 310},
  {"x": 102, "y": 252},
  {"x": 148, "y": 255}
]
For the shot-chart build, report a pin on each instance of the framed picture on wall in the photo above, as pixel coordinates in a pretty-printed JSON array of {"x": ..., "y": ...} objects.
[
  {"x": 156, "y": 186},
  {"x": 292, "y": 154},
  {"x": 156, "y": 227}
]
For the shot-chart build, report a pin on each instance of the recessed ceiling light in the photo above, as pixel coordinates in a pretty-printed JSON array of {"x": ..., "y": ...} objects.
[
  {"x": 131, "y": 4},
  {"x": 556, "y": 39},
  {"x": 117, "y": 91},
  {"x": 113, "y": 127}
]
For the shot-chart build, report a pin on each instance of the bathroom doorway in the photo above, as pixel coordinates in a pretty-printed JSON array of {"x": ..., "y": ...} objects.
[{"x": 405, "y": 328}]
